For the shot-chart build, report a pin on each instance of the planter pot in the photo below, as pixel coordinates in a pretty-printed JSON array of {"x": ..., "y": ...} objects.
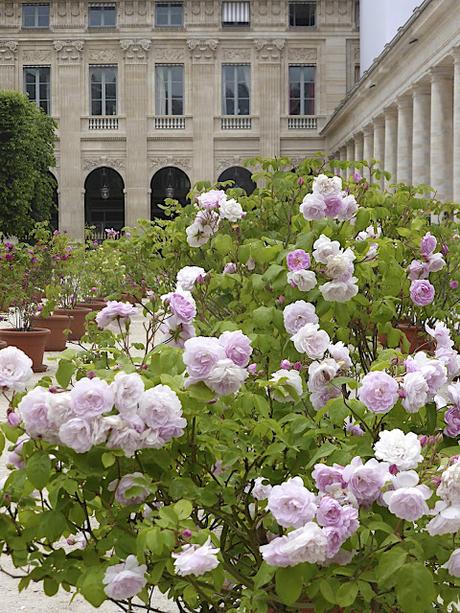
[
  {"x": 31, "y": 342},
  {"x": 3, "y": 345},
  {"x": 418, "y": 339},
  {"x": 129, "y": 298},
  {"x": 77, "y": 324},
  {"x": 94, "y": 305},
  {"x": 56, "y": 324}
]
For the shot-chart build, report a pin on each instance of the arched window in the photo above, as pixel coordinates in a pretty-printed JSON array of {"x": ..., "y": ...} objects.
[
  {"x": 168, "y": 182},
  {"x": 241, "y": 177},
  {"x": 104, "y": 201}
]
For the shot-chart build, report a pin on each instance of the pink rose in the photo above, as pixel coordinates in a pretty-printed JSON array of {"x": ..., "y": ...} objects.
[
  {"x": 125, "y": 580},
  {"x": 91, "y": 397},
  {"x": 237, "y": 347},
  {"x": 201, "y": 355},
  {"x": 298, "y": 260},
  {"x": 421, "y": 292},
  {"x": 182, "y": 305},
  {"x": 291, "y": 504},
  {"x": 121, "y": 311}
]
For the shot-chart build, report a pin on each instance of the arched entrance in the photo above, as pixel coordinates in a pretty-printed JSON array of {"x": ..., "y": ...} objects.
[
  {"x": 168, "y": 182},
  {"x": 104, "y": 201},
  {"x": 241, "y": 178}
]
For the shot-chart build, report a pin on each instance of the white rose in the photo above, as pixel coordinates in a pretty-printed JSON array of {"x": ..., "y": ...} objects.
[
  {"x": 435, "y": 262},
  {"x": 187, "y": 276},
  {"x": 198, "y": 235},
  {"x": 350, "y": 207},
  {"x": 453, "y": 564},
  {"x": 341, "y": 354},
  {"x": 313, "y": 207},
  {"x": 449, "y": 489},
  {"x": 312, "y": 341},
  {"x": 59, "y": 409},
  {"x": 231, "y": 210},
  {"x": 398, "y": 448},
  {"x": 226, "y": 377},
  {"x": 407, "y": 499},
  {"x": 416, "y": 391},
  {"x": 76, "y": 434},
  {"x": 128, "y": 389},
  {"x": 446, "y": 520},
  {"x": 339, "y": 291},
  {"x": 320, "y": 374},
  {"x": 327, "y": 186},
  {"x": 324, "y": 248},
  {"x": 304, "y": 280},
  {"x": 15, "y": 369},
  {"x": 261, "y": 491},
  {"x": 293, "y": 383},
  {"x": 340, "y": 266}
]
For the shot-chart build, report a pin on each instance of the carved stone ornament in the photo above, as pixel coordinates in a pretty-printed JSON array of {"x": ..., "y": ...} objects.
[
  {"x": 103, "y": 160},
  {"x": 8, "y": 50},
  {"x": 36, "y": 56},
  {"x": 269, "y": 50},
  {"x": 203, "y": 50},
  {"x": 302, "y": 54},
  {"x": 169, "y": 54},
  {"x": 229, "y": 161},
  {"x": 135, "y": 50},
  {"x": 69, "y": 51},
  {"x": 236, "y": 55},
  {"x": 102, "y": 56},
  {"x": 184, "y": 163}
]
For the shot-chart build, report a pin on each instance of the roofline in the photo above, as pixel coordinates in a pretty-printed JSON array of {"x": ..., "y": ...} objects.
[{"x": 376, "y": 63}]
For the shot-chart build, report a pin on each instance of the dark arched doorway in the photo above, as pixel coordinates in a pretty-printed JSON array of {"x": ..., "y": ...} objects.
[
  {"x": 241, "y": 178},
  {"x": 168, "y": 182},
  {"x": 54, "y": 219},
  {"x": 104, "y": 201}
]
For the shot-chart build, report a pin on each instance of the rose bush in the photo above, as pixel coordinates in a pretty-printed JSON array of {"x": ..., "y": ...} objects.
[{"x": 271, "y": 445}]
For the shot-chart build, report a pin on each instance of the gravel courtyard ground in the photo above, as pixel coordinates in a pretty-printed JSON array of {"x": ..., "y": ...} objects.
[{"x": 33, "y": 600}]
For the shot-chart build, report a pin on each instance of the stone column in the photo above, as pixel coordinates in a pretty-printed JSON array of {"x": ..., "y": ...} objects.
[
  {"x": 421, "y": 134},
  {"x": 70, "y": 101},
  {"x": 8, "y": 53},
  {"x": 203, "y": 53},
  {"x": 456, "y": 125},
  {"x": 391, "y": 142},
  {"x": 368, "y": 149},
  {"x": 350, "y": 157},
  {"x": 137, "y": 205},
  {"x": 404, "y": 156},
  {"x": 268, "y": 75},
  {"x": 359, "y": 147},
  {"x": 379, "y": 143},
  {"x": 441, "y": 131}
]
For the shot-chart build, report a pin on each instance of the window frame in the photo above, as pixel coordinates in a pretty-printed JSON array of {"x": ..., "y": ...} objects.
[
  {"x": 235, "y": 24},
  {"x": 36, "y": 15},
  {"x": 169, "y": 98},
  {"x": 103, "y": 6},
  {"x": 303, "y": 99},
  {"x": 291, "y": 17},
  {"x": 104, "y": 99},
  {"x": 169, "y": 5},
  {"x": 37, "y": 83},
  {"x": 236, "y": 97}
]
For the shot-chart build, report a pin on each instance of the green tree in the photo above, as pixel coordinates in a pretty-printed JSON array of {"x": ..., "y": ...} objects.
[{"x": 26, "y": 153}]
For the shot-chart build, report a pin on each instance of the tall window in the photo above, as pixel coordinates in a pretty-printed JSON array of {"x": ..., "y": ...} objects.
[
  {"x": 37, "y": 85},
  {"x": 169, "y": 87},
  {"x": 236, "y": 89},
  {"x": 236, "y": 14},
  {"x": 302, "y": 14},
  {"x": 169, "y": 14},
  {"x": 357, "y": 14},
  {"x": 36, "y": 15},
  {"x": 103, "y": 82},
  {"x": 102, "y": 15},
  {"x": 301, "y": 89}
]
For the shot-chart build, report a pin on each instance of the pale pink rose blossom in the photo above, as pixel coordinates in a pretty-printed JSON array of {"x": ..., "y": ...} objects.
[
  {"x": 125, "y": 580},
  {"x": 91, "y": 397},
  {"x": 15, "y": 369},
  {"x": 291, "y": 504},
  {"x": 196, "y": 560},
  {"x": 115, "y": 311}
]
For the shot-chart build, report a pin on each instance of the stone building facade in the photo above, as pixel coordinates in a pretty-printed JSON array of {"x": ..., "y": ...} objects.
[
  {"x": 180, "y": 91},
  {"x": 405, "y": 111}
]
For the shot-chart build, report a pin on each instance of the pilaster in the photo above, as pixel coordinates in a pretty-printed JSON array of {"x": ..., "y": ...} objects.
[
  {"x": 441, "y": 131},
  {"x": 379, "y": 143},
  {"x": 391, "y": 142},
  {"x": 404, "y": 156},
  {"x": 456, "y": 125},
  {"x": 8, "y": 58},
  {"x": 421, "y": 96}
]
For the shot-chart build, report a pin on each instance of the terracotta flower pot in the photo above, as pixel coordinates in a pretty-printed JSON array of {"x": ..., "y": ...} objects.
[
  {"x": 94, "y": 305},
  {"x": 31, "y": 342},
  {"x": 77, "y": 324},
  {"x": 3, "y": 345},
  {"x": 56, "y": 324}
]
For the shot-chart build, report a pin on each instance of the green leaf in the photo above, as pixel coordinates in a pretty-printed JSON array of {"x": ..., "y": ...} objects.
[
  {"x": 390, "y": 562},
  {"x": 264, "y": 575},
  {"x": 38, "y": 469},
  {"x": 323, "y": 452},
  {"x": 2, "y": 442},
  {"x": 91, "y": 586},
  {"x": 415, "y": 589},
  {"x": 431, "y": 417},
  {"x": 50, "y": 586},
  {"x": 327, "y": 591},
  {"x": 346, "y": 594},
  {"x": 108, "y": 459},
  {"x": 289, "y": 583},
  {"x": 64, "y": 373},
  {"x": 223, "y": 244},
  {"x": 183, "y": 508}
]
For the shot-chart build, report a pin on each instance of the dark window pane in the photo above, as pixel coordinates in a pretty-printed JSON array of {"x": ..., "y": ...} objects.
[
  {"x": 243, "y": 106},
  {"x": 294, "y": 107},
  {"x": 229, "y": 106},
  {"x": 110, "y": 107},
  {"x": 96, "y": 107},
  {"x": 177, "y": 106},
  {"x": 169, "y": 14},
  {"x": 302, "y": 14}
]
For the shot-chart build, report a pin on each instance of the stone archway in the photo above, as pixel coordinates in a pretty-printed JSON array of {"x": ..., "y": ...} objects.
[
  {"x": 104, "y": 201},
  {"x": 240, "y": 176},
  {"x": 168, "y": 182}
]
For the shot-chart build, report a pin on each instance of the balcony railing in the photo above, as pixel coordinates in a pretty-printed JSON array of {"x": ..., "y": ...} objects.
[
  {"x": 302, "y": 122},
  {"x": 169, "y": 122},
  {"x": 236, "y": 122},
  {"x": 103, "y": 123}
]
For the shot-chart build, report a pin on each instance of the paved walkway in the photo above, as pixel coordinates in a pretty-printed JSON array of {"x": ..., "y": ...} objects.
[{"x": 33, "y": 600}]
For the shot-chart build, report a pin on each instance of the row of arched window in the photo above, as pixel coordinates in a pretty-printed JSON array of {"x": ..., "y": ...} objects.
[{"x": 105, "y": 198}]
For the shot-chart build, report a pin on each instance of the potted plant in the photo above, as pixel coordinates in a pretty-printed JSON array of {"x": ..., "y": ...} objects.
[{"x": 22, "y": 276}]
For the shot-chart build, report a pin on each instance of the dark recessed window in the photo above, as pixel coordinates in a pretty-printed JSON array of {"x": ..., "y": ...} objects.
[
  {"x": 302, "y": 14},
  {"x": 37, "y": 85},
  {"x": 301, "y": 89},
  {"x": 102, "y": 15},
  {"x": 169, "y": 86},
  {"x": 236, "y": 14},
  {"x": 236, "y": 88},
  {"x": 36, "y": 15},
  {"x": 169, "y": 14},
  {"x": 103, "y": 82}
]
